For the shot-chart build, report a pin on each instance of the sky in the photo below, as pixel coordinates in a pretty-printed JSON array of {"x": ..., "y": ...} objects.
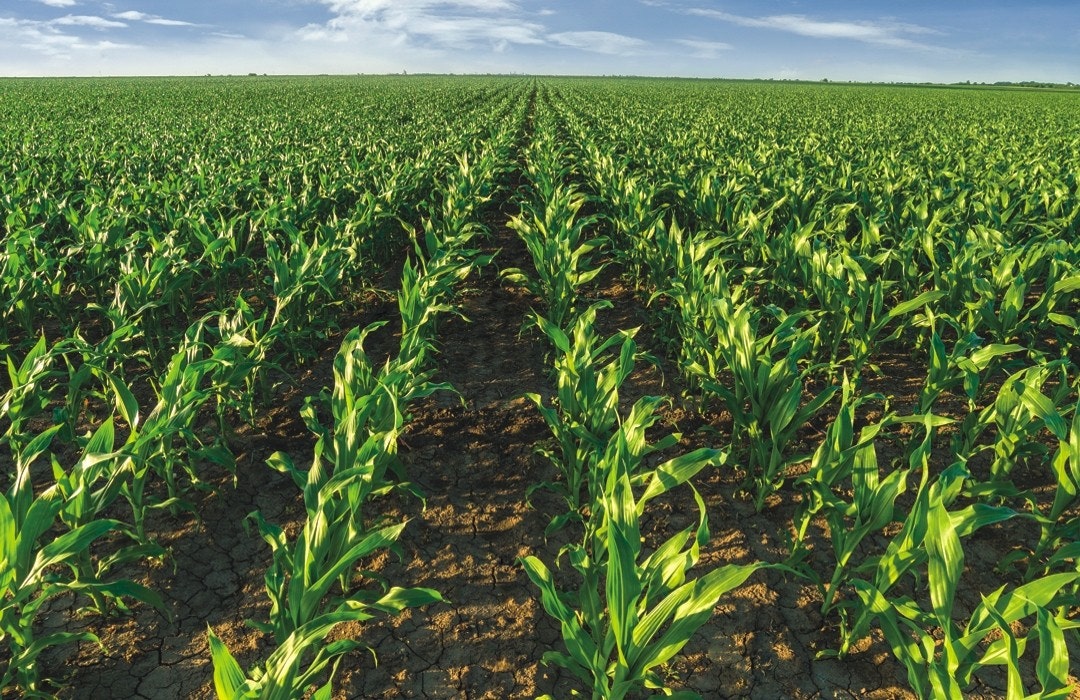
[{"x": 865, "y": 40}]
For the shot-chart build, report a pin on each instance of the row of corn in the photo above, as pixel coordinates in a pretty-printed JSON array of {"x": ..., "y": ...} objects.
[{"x": 627, "y": 602}]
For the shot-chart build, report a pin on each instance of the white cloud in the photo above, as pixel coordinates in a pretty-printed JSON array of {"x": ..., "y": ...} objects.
[
  {"x": 368, "y": 7},
  {"x": 885, "y": 33},
  {"x": 44, "y": 38},
  {"x": 58, "y": 3},
  {"x": 162, "y": 22},
  {"x": 600, "y": 42},
  {"x": 136, "y": 16},
  {"x": 705, "y": 49},
  {"x": 430, "y": 24},
  {"x": 87, "y": 21},
  {"x": 133, "y": 15}
]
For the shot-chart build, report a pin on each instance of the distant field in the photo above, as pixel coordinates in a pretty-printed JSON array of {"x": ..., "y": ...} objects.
[{"x": 538, "y": 387}]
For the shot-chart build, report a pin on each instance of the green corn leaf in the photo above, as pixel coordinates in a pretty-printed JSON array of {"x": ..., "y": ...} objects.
[
  {"x": 1052, "y": 667},
  {"x": 125, "y": 402},
  {"x": 1063, "y": 320},
  {"x": 912, "y": 654},
  {"x": 397, "y": 599},
  {"x": 582, "y": 649},
  {"x": 677, "y": 471},
  {"x": 1015, "y": 683},
  {"x": 978, "y": 515},
  {"x": 102, "y": 441},
  {"x": 912, "y": 304},
  {"x": 692, "y": 612},
  {"x": 9, "y": 536},
  {"x": 124, "y": 589},
  {"x": 622, "y": 583},
  {"x": 1016, "y": 604},
  {"x": 73, "y": 542},
  {"x": 946, "y": 562},
  {"x": 1067, "y": 285},
  {"x": 1042, "y": 407},
  {"x": 230, "y": 683},
  {"x": 38, "y": 519}
]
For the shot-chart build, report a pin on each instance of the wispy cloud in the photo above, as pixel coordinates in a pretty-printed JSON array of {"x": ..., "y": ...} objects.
[
  {"x": 705, "y": 49},
  {"x": 58, "y": 3},
  {"x": 86, "y": 21},
  {"x": 136, "y": 16},
  {"x": 599, "y": 42},
  {"x": 433, "y": 23},
  {"x": 883, "y": 32},
  {"x": 46, "y": 38}
]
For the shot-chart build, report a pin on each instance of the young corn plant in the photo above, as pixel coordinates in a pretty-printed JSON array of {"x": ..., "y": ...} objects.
[
  {"x": 846, "y": 459},
  {"x": 765, "y": 398},
  {"x": 931, "y": 537},
  {"x": 1059, "y": 536},
  {"x": 870, "y": 319},
  {"x": 688, "y": 275},
  {"x": 632, "y": 611},
  {"x": 964, "y": 367},
  {"x": 31, "y": 281},
  {"x": 301, "y": 585},
  {"x": 1002, "y": 308},
  {"x": 166, "y": 444},
  {"x": 349, "y": 468},
  {"x": 1019, "y": 413},
  {"x": 40, "y": 559},
  {"x": 305, "y": 278},
  {"x": 29, "y": 393},
  {"x": 588, "y": 375},
  {"x": 561, "y": 249},
  {"x": 311, "y": 582}
]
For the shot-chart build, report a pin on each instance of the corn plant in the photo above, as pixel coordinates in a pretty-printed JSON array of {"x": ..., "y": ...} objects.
[
  {"x": 349, "y": 468},
  {"x": 40, "y": 560},
  {"x": 687, "y": 275},
  {"x": 561, "y": 250},
  {"x": 311, "y": 583},
  {"x": 28, "y": 395},
  {"x": 846, "y": 457},
  {"x": 1019, "y": 412},
  {"x": 632, "y": 611},
  {"x": 965, "y": 366},
  {"x": 1059, "y": 529},
  {"x": 588, "y": 375},
  {"x": 931, "y": 536},
  {"x": 1002, "y": 305},
  {"x": 305, "y": 277},
  {"x": 765, "y": 398},
  {"x": 153, "y": 447},
  {"x": 150, "y": 287},
  {"x": 31, "y": 281}
]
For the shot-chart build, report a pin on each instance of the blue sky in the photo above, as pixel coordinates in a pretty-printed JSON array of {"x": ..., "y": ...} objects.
[{"x": 919, "y": 40}]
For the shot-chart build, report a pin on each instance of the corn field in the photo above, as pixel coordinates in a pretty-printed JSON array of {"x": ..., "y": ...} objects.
[{"x": 494, "y": 387}]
